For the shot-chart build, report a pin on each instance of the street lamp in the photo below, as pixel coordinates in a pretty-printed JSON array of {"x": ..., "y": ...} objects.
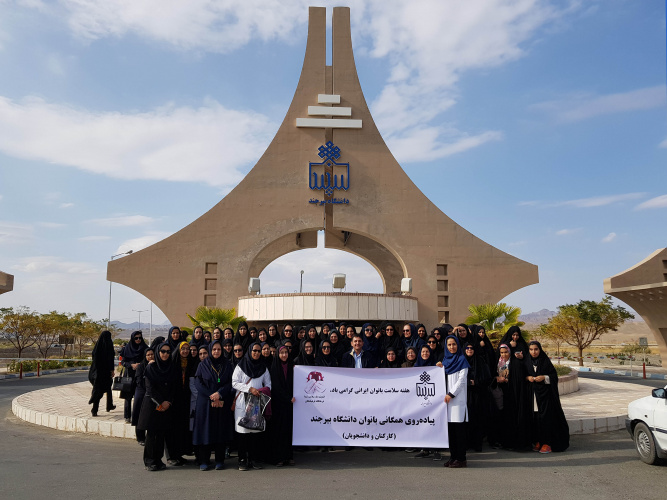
[
  {"x": 301, "y": 284},
  {"x": 142, "y": 311},
  {"x": 112, "y": 258}
]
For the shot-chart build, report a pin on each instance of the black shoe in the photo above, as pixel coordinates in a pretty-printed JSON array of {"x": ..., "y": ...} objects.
[
  {"x": 112, "y": 408},
  {"x": 156, "y": 467},
  {"x": 220, "y": 466},
  {"x": 458, "y": 464},
  {"x": 128, "y": 421},
  {"x": 254, "y": 466},
  {"x": 243, "y": 466},
  {"x": 177, "y": 462},
  {"x": 447, "y": 463},
  {"x": 423, "y": 454},
  {"x": 93, "y": 413}
]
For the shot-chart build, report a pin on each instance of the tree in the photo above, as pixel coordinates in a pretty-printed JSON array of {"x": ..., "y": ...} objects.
[
  {"x": 88, "y": 331},
  {"x": 46, "y": 330},
  {"x": 495, "y": 318},
  {"x": 18, "y": 327},
  {"x": 552, "y": 335},
  {"x": 212, "y": 317},
  {"x": 582, "y": 323}
]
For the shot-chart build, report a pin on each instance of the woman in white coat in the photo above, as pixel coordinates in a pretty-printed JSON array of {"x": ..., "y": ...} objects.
[
  {"x": 249, "y": 376},
  {"x": 456, "y": 371}
]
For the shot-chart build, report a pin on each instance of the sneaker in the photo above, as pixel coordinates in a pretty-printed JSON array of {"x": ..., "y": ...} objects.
[
  {"x": 254, "y": 466},
  {"x": 545, "y": 448},
  {"x": 536, "y": 447},
  {"x": 410, "y": 450},
  {"x": 423, "y": 454},
  {"x": 437, "y": 456},
  {"x": 227, "y": 454},
  {"x": 128, "y": 421},
  {"x": 220, "y": 466},
  {"x": 204, "y": 467},
  {"x": 447, "y": 463},
  {"x": 243, "y": 467},
  {"x": 177, "y": 462},
  {"x": 142, "y": 443}
]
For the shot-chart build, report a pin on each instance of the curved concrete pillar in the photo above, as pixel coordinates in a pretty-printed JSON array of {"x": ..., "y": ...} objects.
[
  {"x": 370, "y": 208},
  {"x": 644, "y": 288}
]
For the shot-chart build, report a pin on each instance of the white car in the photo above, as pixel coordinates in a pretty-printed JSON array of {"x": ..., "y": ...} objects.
[{"x": 647, "y": 424}]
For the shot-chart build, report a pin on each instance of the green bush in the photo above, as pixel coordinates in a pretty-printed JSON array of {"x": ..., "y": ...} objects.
[
  {"x": 31, "y": 365},
  {"x": 562, "y": 370}
]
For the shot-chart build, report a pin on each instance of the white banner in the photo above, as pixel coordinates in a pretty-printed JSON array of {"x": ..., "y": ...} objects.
[{"x": 384, "y": 407}]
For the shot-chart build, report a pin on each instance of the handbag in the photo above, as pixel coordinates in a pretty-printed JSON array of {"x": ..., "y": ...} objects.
[
  {"x": 254, "y": 413},
  {"x": 238, "y": 393},
  {"x": 123, "y": 384},
  {"x": 497, "y": 394}
]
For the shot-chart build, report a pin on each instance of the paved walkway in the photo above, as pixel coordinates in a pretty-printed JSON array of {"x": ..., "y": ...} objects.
[{"x": 598, "y": 406}]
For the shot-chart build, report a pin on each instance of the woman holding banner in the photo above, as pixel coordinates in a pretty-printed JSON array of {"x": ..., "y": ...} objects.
[{"x": 456, "y": 372}]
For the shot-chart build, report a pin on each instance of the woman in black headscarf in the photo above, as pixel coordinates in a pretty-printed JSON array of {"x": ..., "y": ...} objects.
[
  {"x": 548, "y": 428},
  {"x": 282, "y": 399},
  {"x": 179, "y": 442},
  {"x": 242, "y": 336},
  {"x": 266, "y": 354},
  {"x": 228, "y": 350},
  {"x": 479, "y": 379},
  {"x": 313, "y": 336},
  {"x": 156, "y": 409},
  {"x": 101, "y": 372},
  {"x": 516, "y": 343},
  {"x": 391, "y": 338},
  {"x": 436, "y": 347},
  {"x": 131, "y": 356},
  {"x": 484, "y": 347},
  {"x": 324, "y": 356},
  {"x": 371, "y": 344},
  {"x": 213, "y": 415},
  {"x": 307, "y": 355},
  {"x": 425, "y": 357},
  {"x": 237, "y": 354},
  {"x": 456, "y": 371},
  {"x": 390, "y": 359},
  {"x": 250, "y": 376},
  {"x": 198, "y": 336},
  {"x": 337, "y": 348},
  {"x": 509, "y": 417},
  {"x": 175, "y": 337},
  {"x": 273, "y": 335},
  {"x": 139, "y": 393},
  {"x": 287, "y": 333}
]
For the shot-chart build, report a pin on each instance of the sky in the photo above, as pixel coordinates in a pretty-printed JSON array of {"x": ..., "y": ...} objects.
[{"x": 539, "y": 126}]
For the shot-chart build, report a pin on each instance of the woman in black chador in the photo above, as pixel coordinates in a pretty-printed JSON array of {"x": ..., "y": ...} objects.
[
  {"x": 213, "y": 414},
  {"x": 549, "y": 429},
  {"x": 101, "y": 372},
  {"x": 140, "y": 392},
  {"x": 156, "y": 416},
  {"x": 479, "y": 378},
  {"x": 509, "y": 416},
  {"x": 132, "y": 356},
  {"x": 282, "y": 398}
]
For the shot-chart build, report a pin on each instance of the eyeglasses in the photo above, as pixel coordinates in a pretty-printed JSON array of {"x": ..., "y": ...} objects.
[
  {"x": 388, "y": 329},
  {"x": 138, "y": 338},
  {"x": 431, "y": 342},
  {"x": 469, "y": 349},
  {"x": 369, "y": 329},
  {"x": 407, "y": 331},
  {"x": 326, "y": 347},
  {"x": 255, "y": 350},
  {"x": 162, "y": 351},
  {"x": 238, "y": 350},
  {"x": 288, "y": 331}
]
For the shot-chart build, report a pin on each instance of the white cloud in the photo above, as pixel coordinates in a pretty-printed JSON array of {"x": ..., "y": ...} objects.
[
  {"x": 136, "y": 244},
  {"x": 594, "y": 201},
  {"x": 565, "y": 232},
  {"x": 51, "y": 225},
  {"x": 47, "y": 265},
  {"x": 212, "y": 25},
  {"x": 15, "y": 233},
  {"x": 123, "y": 221},
  {"x": 94, "y": 238},
  {"x": 428, "y": 44},
  {"x": 66, "y": 205},
  {"x": 663, "y": 144},
  {"x": 582, "y": 107},
  {"x": 657, "y": 202},
  {"x": 209, "y": 144},
  {"x": 609, "y": 238}
]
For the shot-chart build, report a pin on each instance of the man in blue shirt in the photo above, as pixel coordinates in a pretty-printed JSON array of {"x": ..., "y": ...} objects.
[{"x": 357, "y": 357}]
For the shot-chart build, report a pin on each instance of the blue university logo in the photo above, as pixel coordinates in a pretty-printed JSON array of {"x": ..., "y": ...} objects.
[{"x": 329, "y": 175}]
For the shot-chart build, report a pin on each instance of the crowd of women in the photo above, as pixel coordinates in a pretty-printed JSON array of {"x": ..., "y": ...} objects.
[{"x": 189, "y": 397}]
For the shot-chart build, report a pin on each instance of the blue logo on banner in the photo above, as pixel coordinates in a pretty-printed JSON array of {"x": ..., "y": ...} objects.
[{"x": 339, "y": 176}]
